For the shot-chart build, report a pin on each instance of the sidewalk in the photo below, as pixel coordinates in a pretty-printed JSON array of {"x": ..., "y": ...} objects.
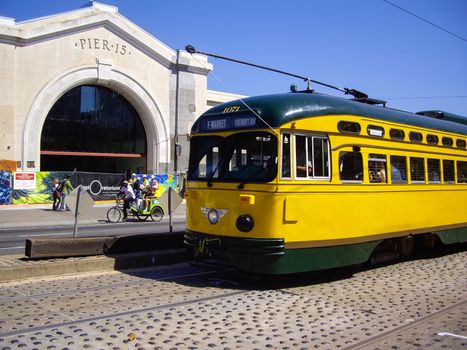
[
  {"x": 17, "y": 267},
  {"x": 42, "y": 215},
  {"x": 39, "y": 215}
]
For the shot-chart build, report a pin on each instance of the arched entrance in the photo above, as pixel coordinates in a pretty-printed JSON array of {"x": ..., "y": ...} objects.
[
  {"x": 152, "y": 116},
  {"x": 93, "y": 128}
]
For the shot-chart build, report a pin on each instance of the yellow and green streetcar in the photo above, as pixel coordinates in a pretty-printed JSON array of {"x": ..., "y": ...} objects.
[{"x": 304, "y": 181}]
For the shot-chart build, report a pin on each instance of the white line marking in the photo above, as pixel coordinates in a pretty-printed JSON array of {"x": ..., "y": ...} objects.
[
  {"x": 12, "y": 247},
  {"x": 45, "y": 234},
  {"x": 452, "y": 335}
]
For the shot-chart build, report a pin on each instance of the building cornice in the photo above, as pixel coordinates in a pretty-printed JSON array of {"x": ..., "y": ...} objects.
[{"x": 96, "y": 15}]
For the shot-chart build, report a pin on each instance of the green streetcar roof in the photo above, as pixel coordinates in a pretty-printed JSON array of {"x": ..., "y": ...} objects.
[{"x": 279, "y": 109}]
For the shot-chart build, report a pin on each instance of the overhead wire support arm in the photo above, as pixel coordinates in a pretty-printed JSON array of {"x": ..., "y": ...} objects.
[
  {"x": 358, "y": 95},
  {"x": 190, "y": 49}
]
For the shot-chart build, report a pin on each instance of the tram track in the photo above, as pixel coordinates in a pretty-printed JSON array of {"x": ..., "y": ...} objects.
[
  {"x": 36, "y": 298},
  {"x": 377, "y": 338},
  {"x": 119, "y": 314},
  {"x": 204, "y": 304},
  {"x": 360, "y": 345},
  {"x": 97, "y": 288}
]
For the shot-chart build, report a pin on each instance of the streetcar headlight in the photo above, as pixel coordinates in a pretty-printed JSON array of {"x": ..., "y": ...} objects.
[
  {"x": 245, "y": 223},
  {"x": 213, "y": 216}
]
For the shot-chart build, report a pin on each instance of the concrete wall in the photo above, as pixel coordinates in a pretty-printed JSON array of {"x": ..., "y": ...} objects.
[{"x": 42, "y": 59}]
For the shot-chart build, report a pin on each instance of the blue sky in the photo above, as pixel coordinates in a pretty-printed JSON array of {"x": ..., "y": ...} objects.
[{"x": 368, "y": 45}]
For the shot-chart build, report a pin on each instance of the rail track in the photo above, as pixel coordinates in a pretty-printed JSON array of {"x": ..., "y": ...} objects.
[{"x": 420, "y": 303}]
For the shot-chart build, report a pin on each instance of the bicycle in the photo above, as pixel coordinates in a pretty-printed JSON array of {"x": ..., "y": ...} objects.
[{"x": 155, "y": 211}]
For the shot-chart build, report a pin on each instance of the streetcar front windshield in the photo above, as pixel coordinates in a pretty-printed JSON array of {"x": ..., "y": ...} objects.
[{"x": 248, "y": 156}]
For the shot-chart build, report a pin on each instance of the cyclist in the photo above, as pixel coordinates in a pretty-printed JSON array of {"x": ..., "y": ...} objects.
[{"x": 128, "y": 196}]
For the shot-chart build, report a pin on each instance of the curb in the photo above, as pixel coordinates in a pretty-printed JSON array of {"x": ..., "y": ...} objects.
[{"x": 36, "y": 268}]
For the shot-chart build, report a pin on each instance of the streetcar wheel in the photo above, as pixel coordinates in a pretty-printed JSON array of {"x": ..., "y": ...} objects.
[
  {"x": 141, "y": 217},
  {"x": 114, "y": 214},
  {"x": 157, "y": 214},
  {"x": 406, "y": 246}
]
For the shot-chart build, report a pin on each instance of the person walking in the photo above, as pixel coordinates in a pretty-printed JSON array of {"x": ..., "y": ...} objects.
[
  {"x": 56, "y": 194},
  {"x": 65, "y": 189}
]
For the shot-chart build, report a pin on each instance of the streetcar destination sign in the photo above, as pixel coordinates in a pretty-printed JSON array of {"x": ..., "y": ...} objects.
[{"x": 225, "y": 123}]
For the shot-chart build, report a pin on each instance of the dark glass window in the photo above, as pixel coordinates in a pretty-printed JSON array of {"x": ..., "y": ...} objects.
[
  {"x": 242, "y": 157},
  {"x": 374, "y": 130},
  {"x": 377, "y": 168},
  {"x": 432, "y": 139},
  {"x": 460, "y": 143},
  {"x": 415, "y": 136},
  {"x": 396, "y": 134},
  {"x": 434, "y": 170},
  {"x": 448, "y": 170},
  {"x": 417, "y": 169},
  {"x": 320, "y": 157},
  {"x": 351, "y": 166},
  {"x": 285, "y": 172},
  {"x": 93, "y": 119},
  {"x": 462, "y": 172},
  {"x": 398, "y": 169},
  {"x": 447, "y": 141},
  {"x": 303, "y": 165},
  {"x": 352, "y": 127}
]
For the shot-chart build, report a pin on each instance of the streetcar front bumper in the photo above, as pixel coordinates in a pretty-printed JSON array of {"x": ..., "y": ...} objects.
[{"x": 250, "y": 254}]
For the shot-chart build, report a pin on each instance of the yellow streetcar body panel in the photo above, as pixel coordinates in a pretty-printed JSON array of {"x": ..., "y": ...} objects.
[{"x": 322, "y": 214}]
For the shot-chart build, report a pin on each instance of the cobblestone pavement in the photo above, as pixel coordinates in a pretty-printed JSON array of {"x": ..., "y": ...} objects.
[{"x": 418, "y": 304}]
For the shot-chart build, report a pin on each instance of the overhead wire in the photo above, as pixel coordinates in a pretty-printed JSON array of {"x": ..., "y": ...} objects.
[
  {"x": 425, "y": 20},
  {"x": 275, "y": 132},
  {"x": 422, "y": 97},
  {"x": 230, "y": 90}
]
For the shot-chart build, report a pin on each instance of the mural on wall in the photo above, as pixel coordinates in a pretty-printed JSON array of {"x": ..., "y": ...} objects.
[
  {"x": 42, "y": 193},
  {"x": 100, "y": 186},
  {"x": 5, "y": 187},
  {"x": 165, "y": 181}
]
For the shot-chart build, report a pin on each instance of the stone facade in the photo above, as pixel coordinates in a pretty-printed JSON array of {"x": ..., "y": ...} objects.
[{"x": 42, "y": 59}]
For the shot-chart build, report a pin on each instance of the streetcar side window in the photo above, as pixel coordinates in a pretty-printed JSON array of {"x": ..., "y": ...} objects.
[
  {"x": 447, "y": 141},
  {"x": 302, "y": 163},
  {"x": 434, "y": 173},
  {"x": 417, "y": 170},
  {"x": 377, "y": 168},
  {"x": 448, "y": 171},
  {"x": 311, "y": 157},
  {"x": 415, "y": 136},
  {"x": 396, "y": 134},
  {"x": 351, "y": 166},
  {"x": 320, "y": 157},
  {"x": 286, "y": 159},
  {"x": 462, "y": 172},
  {"x": 432, "y": 139},
  {"x": 352, "y": 127},
  {"x": 398, "y": 169},
  {"x": 460, "y": 143}
]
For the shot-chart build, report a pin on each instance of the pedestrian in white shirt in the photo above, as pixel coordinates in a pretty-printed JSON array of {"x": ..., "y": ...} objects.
[{"x": 128, "y": 197}]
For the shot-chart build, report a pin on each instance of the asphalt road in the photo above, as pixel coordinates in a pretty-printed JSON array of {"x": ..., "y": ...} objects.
[{"x": 17, "y": 225}]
